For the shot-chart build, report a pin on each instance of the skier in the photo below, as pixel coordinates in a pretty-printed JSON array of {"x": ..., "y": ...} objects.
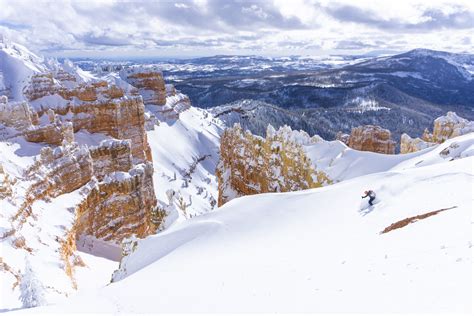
[{"x": 371, "y": 195}]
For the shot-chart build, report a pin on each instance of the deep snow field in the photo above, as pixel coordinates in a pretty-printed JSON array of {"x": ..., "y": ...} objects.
[{"x": 318, "y": 250}]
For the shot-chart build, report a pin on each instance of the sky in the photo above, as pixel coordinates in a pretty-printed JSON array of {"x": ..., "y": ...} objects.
[{"x": 185, "y": 28}]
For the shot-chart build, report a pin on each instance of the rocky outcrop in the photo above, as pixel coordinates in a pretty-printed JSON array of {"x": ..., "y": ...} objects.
[
  {"x": 175, "y": 104},
  {"x": 96, "y": 107},
  {"x": 372, "y": 138},
  {"x": 59, "y": 171},
  {"x": 343, "y": 137},
  {"x": 15, "y": 114},
  {"x": 90, "y": 92},
  {"x": 149, "y": 82},
  {"x": 53, "y": 134},
  {"x": 118, "y": 206},
  {"x": 410, "y": 145},
  {"x": 449, "y": 126},
  {"x": 64, "y": 77},
  {"x": 70, "y": 190},
  {"x": 111, "y": 156},
  {"x": 118, "y": 199},
  {"x": 41, "y": 85},
  {"x": 121, "y": 118},
  {"x": 444, "y": 127},
  {"x": 250, "y": 164},
  {"x": 163, "y": 101}
]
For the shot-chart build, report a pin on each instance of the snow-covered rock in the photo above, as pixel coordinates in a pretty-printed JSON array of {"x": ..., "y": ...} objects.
[
  {"x": 341, "y": 162},
  {"x": 451, "y": 125},
  {"x": 17, "y": 65},
  {"x": 149, "y": 81},
  {"x": 444, "y": 127},
  {"x": 410, "y": 145},
  {"x": 251, "y": 165}
]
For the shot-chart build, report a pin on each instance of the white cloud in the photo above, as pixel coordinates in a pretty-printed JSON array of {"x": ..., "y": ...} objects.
[{"x": 206, "y": 27}]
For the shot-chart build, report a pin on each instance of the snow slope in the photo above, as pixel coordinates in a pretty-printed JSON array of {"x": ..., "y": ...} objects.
[
  {"x": 185, "y": 155},
  {"x": 314, "y": 250},
  {"x": 17, "y": 64},
  {"x": 341, "y": 162}
]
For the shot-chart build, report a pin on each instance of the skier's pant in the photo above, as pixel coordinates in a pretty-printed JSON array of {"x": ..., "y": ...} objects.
[{"x": 371, "y": 200}]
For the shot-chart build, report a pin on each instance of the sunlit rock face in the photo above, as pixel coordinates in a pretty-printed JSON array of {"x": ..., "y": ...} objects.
[
  {"x": 250, "y": 164},
  {"x": 149, "y": 82},
  {"x": 449, "y": 126},
  {"x": 120, "y": 198},
  {"x": 372, "y": 138},
  {"x": 444, "y": 127},
  {"x": 163, "y": 100},
  {"x": 118, "y": 206},
  {"x": 60, "y": 170},
  {"x": 96, "y": 107},
  {"x": 111, "y": 156},
  {"x": 121, "y": 118},
  {"x": 410, "y": 145}
]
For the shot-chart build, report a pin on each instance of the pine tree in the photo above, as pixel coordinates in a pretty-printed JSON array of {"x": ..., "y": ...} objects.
[{"x": 31, "y": 289}]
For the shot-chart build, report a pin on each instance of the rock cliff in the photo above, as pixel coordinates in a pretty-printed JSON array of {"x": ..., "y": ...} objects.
[
  {"x": 250, "y": 164},
  {"x": 371, "y": 138},
  {"x": 104, "y": 191},
  {"x": 410, "y": 145},
  {"x": 449, "y": 126},
  {"x": 149, "y": 82},
  {"x": 119, "y": 206},
  {"x": 444, "y": 127},
  {"x": 163, "y": 100}
]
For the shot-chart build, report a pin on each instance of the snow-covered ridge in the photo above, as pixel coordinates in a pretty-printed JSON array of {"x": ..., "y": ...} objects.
[
  {"x": 18, "y": 64},
  {"x": 341, "y": 162},
  {"x": 464, "y": 63}
]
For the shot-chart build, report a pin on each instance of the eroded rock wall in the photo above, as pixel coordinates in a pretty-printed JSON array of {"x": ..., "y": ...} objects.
[
  {"x": 372, "y": 138},
  {"x": 118, "y": 206},
  {"x": 149, "y": 82},
  {"x": 250, "y": 164},
  {"x": 410, "y": 145}
]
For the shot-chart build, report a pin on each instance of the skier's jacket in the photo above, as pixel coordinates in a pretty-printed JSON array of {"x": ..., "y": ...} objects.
[{"x": 369, "y": 193}]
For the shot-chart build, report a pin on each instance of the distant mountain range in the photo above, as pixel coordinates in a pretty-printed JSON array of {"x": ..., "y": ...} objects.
[
  {"x": 403, "y": 93},
  {"x": 324, "y": 95}
]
